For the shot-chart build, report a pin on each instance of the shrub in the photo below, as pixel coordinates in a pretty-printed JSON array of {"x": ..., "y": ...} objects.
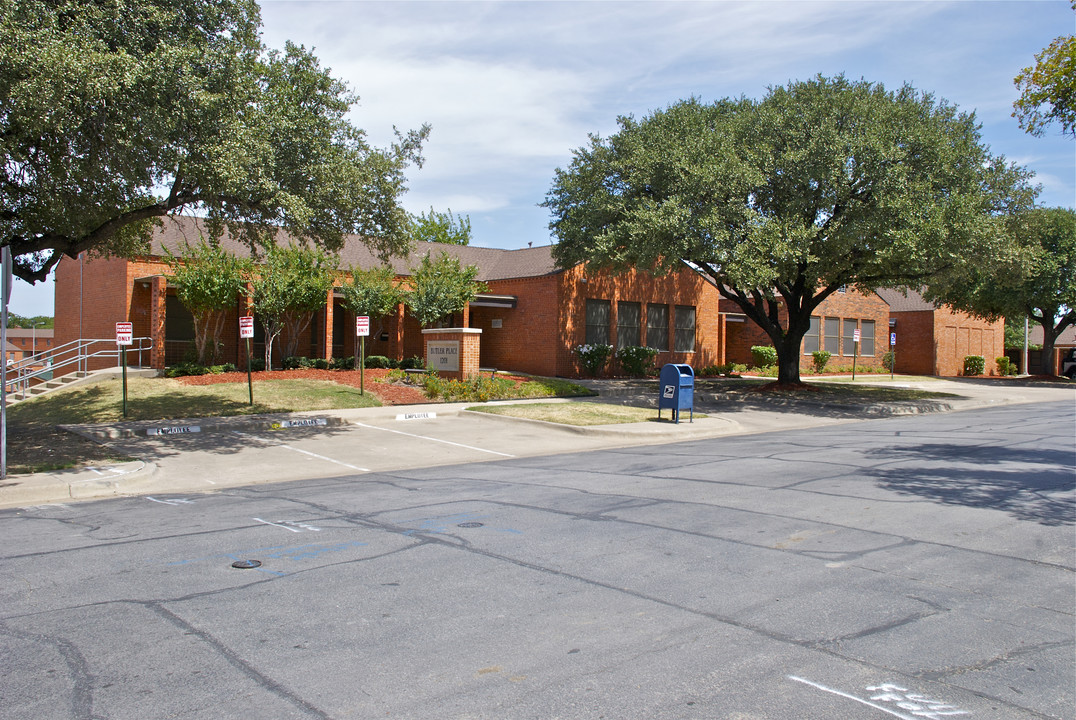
[
  {"x": 737, "y": 368},
  {"x": 395, "y": 375},
  {"x": 636, "y": 360},
  {"x": 343, "y": 363},
  {"x": 320, "y": 364},
  {"x": 593, "y": 357},
  {"x": 764, "y": 356},
  {"x": 413, "y": 363},
  {"x": 1005, "y": 366},
  {"x": 257, "y": 364},
  {"x": 222, "y": 368},
  {"x": 888, "y": 359},
  {"x": 379, "y": 361},
  {"x": 186, "y": 368},
  {"x": 294, "y": 362},
  {"x": 713, "y": 370},
  {"x": 820, "y": 358},
  {"x": 974, "y": 364}
]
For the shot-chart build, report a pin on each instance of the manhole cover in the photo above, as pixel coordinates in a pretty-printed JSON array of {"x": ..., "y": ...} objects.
[
  {"x": 470, "y": 525},
  {"x": 246, "y": 564}
]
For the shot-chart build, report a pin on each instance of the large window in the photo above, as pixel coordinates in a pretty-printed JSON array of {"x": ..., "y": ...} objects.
[
  {"x": 684, "y": 340},
  {"x": 848, "y": 336},
  {"x": 657, "y": 327},
  {"x": 597, "y": 322},
  {"x": 832, "y": 329},
  {"x": 811, "y": 339},
  {"x": 866, "y": 338},
  {"x": 627, "y": 324}
]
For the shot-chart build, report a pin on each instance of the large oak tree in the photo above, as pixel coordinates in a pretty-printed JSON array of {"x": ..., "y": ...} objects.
[
  {"x": 115, "y": 114},
  {"x": 782, "y": 201}
]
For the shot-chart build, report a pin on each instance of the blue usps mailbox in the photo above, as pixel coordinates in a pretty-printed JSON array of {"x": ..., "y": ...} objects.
[{"x": 677, "y": 390}]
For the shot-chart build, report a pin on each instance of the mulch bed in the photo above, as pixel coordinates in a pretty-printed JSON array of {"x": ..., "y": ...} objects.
[{"x": 387, "y": 393}]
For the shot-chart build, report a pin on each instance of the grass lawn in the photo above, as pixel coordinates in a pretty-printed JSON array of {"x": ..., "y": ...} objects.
[
  {"x": 574, "y": 413},
  {"x": 164, "y": 398}
]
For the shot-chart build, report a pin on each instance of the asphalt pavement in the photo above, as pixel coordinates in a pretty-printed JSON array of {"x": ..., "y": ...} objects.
[{"x": 207, "y": 454}]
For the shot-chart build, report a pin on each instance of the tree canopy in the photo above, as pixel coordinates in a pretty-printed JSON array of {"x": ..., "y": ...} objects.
[
  {"x": 782, "y": 201},
  {"x": 290, "y": 287},
  {"x": 1048, "y": 89},
  {"x": 209, "y": 281},
  {"x": 441, "y": 287},
  {"x": 1037, "y": 280},
  {"x": 113, "y": 115},
  {"x": 442, "y": 227}
]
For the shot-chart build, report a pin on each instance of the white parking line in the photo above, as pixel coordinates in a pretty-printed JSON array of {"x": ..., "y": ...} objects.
[
  {"x": 432, "y": 439},
  {"x": 304, "y": 452}
]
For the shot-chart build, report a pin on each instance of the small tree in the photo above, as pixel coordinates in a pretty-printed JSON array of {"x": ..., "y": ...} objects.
[
  {"x": 374, "y": 293},
  {"x": 292, "y": 285},
  {"x": 441, "y": 287},
  {"x": 208, "y": 280},
  {"x": 441, "y": 227}
]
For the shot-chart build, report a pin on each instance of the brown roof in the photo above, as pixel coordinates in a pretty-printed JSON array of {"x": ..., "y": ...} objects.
[
  {"x": 1034, "y": 336},
  {"x": 493, "y": 263},
  {"x": 905, "y": 300}
]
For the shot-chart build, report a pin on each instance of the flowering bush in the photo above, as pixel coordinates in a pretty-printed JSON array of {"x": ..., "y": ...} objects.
[
  {"x": 593, "y": 357},
  {"x": 974, "y": 364},
  {"x": 636, "y": 360}
]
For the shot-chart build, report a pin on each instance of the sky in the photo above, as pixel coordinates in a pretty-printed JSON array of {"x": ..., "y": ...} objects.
[{"x": 510, "y": 89}]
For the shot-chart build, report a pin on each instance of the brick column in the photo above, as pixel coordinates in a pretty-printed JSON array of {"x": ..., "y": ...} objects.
[
  {"x": 457, "y": 350},
  {"x": 327, "y": 335},
  {"x": 157, "y": 305}
]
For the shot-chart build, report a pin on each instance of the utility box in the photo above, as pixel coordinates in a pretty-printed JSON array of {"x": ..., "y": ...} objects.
[{"x": 677, "y": 390}]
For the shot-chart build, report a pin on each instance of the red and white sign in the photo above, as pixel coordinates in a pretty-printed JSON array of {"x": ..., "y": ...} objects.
[
  {"x": 246, "y": 327},
  {"x": 124, "y": 333},
  {"x": 362, "y": 325},
  {"x": 855, "y": 335}
]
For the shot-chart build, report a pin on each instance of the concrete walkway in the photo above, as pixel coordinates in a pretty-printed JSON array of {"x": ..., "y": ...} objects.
[{"x": 208, "y": 454}]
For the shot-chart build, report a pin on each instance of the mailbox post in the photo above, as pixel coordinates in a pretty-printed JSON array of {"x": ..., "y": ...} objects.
[{"x": 676, "y": 386}]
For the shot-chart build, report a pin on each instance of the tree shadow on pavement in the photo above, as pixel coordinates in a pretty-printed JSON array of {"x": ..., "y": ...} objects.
[{"x": 1034, "y": 485}]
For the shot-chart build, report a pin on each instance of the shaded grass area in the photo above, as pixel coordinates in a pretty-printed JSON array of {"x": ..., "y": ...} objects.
[
  {"x": 44, "y": 449},
  {"x": 573, "y": 413},
  {"x": 164, "y": 398},
  {"x": 512, "y": 387},
  {"x": 837, "y": 390}
]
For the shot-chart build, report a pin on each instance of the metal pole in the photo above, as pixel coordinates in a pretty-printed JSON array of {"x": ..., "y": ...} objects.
[
  {"x": 250, "y": 383},
  {"x": 5, "y": 263},
  {"x": 855, "y": 356},
  {"x": 1027, "y": 371},
  {"x": 123, "y": 362},
  {"x": 362, "y": 364}
]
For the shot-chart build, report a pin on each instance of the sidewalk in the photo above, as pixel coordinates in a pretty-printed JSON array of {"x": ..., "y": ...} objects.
[{"x": 433, "y": 435}]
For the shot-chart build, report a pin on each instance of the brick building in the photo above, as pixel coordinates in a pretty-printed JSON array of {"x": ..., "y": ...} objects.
[
  {"x": 35, "y": 341},
  {"x": 531, "y": 316},
  {"x": 934, "y": 339}
]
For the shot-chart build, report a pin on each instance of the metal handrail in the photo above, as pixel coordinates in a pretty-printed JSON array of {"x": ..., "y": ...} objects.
[{"x": 77, "y": 352}]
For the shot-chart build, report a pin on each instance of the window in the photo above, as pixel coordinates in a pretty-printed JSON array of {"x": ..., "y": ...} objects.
[
  {"x": 597, "y": 322},
  {"x": 657, "y": 327},
  {"x": 866, "y": 340},
  {"x": 833, "y": 339},
  {"x": 684, "y": 340},
  {"x": 848, "y": 336},
  {"x": 811, "y": 339},
  {"x": 627, "y": 324}
]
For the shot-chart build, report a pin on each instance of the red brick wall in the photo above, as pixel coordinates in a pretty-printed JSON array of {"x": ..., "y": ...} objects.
[
  {"x": 682, "y": 287},
  {"x": 957, "y": 335},
  {"x": 915, "y": 349},
  {"x": 847, "y": 305}
]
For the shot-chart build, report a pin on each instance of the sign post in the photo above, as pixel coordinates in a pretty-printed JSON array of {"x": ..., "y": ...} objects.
[
  {"x": 892, "y": 353},
  {"x": 362, "y": 329},
  {"x": 855, "y": 351},
  {"x": 124, "y": 337},
  {"x": 246, "y": 331}
]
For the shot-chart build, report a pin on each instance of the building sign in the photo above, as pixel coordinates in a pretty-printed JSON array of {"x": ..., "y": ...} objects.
[
  {"x": 124, "y": 333},
  {"x": 444, "y": 354},
  {"x": 362, "y": 326},
  {"x": 246, "y": 327}
]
